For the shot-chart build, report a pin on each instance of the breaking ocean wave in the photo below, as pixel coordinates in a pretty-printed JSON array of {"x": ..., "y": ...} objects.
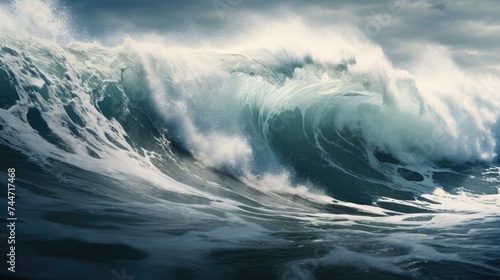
[{"x": 309, "y": 156}]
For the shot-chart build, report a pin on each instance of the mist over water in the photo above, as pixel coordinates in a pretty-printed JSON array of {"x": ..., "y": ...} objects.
[{"x": 303, "y": 154}]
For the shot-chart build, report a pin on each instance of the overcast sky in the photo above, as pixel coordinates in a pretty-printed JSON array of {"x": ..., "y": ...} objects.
[{"x": 469, "y": 29}]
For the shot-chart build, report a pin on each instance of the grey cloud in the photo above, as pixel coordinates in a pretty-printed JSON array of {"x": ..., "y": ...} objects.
[{"x": 470, "y": 29}]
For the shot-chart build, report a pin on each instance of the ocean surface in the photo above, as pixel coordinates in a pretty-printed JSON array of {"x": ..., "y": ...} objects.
[{"x": 309, "y": 156}]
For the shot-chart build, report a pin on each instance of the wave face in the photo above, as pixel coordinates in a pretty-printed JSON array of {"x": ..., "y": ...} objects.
[{"x": 292, "y": 158}]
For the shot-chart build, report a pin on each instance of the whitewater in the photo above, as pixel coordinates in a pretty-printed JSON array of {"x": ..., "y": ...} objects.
[{"x": 307, "y": 155}]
